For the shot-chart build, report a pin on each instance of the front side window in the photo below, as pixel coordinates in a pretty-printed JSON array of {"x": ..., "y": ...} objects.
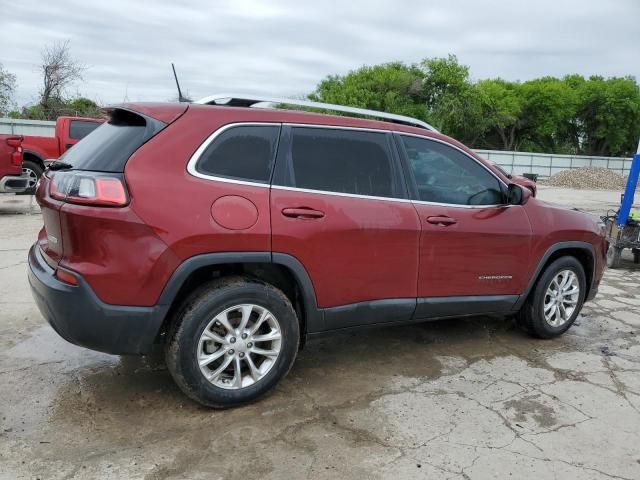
[
  {"x": 444, "y": 174},
  {"x": 78, "y": 129},
  {"x": 343, "y": 161},
  {"x": 243, "y": 152}
]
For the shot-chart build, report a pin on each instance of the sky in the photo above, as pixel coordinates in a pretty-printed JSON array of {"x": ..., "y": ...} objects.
[{"x": 284, "y": 47}]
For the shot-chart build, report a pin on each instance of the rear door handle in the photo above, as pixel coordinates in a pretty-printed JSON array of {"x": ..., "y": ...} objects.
[
  {"x": 442, "y": 220},
  {"x": 302, "y": 212}
]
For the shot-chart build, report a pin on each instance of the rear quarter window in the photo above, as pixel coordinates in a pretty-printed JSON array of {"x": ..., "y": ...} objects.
[{"x": 243, "y": 152}]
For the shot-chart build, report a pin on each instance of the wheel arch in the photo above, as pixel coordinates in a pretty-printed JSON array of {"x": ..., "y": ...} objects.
[
  {"x": 583, "y": 252},
  {"x": 29, "y": 155},
  {"x": 280, "y": 270}
]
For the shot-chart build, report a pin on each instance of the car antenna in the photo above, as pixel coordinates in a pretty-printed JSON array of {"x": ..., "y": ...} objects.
[{"x": 180, "y": 97}]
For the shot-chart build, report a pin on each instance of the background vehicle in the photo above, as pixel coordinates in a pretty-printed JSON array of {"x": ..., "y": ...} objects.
[
  {"x": 232, "y": 234},
  {"x": 11, "y": 179},
  {"x": 37, "y": 149}
]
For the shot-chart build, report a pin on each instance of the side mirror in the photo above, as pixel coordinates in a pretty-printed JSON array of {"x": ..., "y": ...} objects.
[{"x": 517, "y": 195}]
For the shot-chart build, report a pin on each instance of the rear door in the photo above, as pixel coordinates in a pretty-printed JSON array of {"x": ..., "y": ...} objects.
[
  {"x": 474, "y": 248},
  {"x": 339, "y": 205}
]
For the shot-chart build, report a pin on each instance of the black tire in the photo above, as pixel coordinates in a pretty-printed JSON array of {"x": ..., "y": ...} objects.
[
  {"x": 194, "y": 316},
  {"x": 614, "y": 257},
  {"x": 531, "y": 317},
  {"x": 29, "y": 166}
]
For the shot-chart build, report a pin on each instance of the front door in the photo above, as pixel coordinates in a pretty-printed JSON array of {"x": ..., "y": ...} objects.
[
  {"x": 474, "y": 248},
  {"x": 339, "y": 206}
]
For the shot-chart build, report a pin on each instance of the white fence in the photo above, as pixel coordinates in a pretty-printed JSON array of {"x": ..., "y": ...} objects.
[
  {"x": 12, "y": 126},
  {"x": 517, "y": 163},
  {"x": 545, "y": 164}
]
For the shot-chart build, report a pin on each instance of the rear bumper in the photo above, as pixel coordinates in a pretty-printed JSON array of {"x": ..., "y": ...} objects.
[
  {"x": 13, "y": 184},
  {"x": 80, "y": 317}
]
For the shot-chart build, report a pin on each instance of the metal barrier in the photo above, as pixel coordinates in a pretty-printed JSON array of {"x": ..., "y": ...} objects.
[
  {"x": 545, "y": 164},
  {"x": 19, "y": 126}
]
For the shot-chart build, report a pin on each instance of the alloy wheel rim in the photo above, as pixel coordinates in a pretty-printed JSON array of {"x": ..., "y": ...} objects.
[
  {"x": 239, "y": 346},
  {"x": 561, "y": 298},
  {"x": 31, "y": 175}
]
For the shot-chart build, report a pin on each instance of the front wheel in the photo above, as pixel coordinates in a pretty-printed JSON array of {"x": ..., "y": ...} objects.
[
  {"x": 233, "y": 340},
  {"x": 556, "y": 300}
]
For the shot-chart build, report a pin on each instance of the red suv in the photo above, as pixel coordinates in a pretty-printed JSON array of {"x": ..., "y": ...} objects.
[{"x": 231, "y": 234}]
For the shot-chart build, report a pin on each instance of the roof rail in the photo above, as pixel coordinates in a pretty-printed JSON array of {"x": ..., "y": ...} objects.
[{"x": 240, "y": 100}]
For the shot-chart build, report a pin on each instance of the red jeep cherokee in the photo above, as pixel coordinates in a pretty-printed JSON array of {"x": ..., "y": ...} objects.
[{"x": 231, "y": 234}]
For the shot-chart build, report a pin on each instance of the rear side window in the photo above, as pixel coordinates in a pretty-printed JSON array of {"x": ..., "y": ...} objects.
[
  {"x": 342, "y": 161},
  {"x": 78, "y": 129},
  {"x": 245, "y": 152},
  {"x": 110, "y": 145},
  {"x": 444, "y": 174}
]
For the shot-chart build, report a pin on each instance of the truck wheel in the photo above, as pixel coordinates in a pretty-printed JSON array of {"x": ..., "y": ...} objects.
[
  {"x": 636, "y": 255},
  {"x": 33, "y": 171},
  {"x": 232, "y": 341},
  {"x": 556, "y": 300},
  {"x": 614, "y": 257}
]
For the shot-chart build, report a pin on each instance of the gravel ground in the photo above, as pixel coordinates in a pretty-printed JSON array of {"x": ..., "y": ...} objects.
[{"x": 587, "y": 178}]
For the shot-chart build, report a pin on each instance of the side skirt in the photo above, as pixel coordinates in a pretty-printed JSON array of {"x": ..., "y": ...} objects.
[{"x": 408, "y": 310}]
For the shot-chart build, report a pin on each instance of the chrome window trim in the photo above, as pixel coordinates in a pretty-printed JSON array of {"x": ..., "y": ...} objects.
[
  {"x": 456, "y": 205},
  {"x": 340, "y": 194},
  {"x": 193, "y": 160}
]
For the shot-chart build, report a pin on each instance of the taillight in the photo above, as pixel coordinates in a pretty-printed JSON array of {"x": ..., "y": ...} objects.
[
  {"x": 16, "y": 156},
  {"x": 89, "y": 188}
]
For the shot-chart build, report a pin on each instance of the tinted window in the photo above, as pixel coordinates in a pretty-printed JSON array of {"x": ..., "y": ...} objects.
[
  {"x": 344, "y": 161},
  {"x": 244, "y": 152},
  {"x": 444, "y": 174},
  {"x": 109, "y": 146},
  {"x": 80, "y": 129}
]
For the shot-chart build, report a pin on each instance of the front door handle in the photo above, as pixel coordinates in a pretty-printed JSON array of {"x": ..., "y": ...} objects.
[
  {"x": 302, "y": 212},
  {"x": 442, "y": 220}
]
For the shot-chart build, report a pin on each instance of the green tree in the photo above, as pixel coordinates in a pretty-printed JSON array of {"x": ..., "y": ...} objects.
[
  {"x": 501, "y": 111},
  {"x": 7, "y": 90},
  {"x": 594, "y": 116},
  {"x": 392, "y": 87},
  {"x": 451, "y": 99},
  {"x": 548, "y": 108},
  {"x": 75, "y": 107},
  {"x": 609, "y": 114}
]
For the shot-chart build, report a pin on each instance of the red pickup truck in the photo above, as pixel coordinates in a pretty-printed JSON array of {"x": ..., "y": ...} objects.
[
  {"x": 11, "y": 179},
  {"x": 37, "y": 149}
]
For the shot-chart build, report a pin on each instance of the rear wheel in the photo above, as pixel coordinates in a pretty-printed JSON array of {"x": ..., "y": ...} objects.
[
  {"x": 33, "y": 172},
  {"x": 556, "y": 300},
  {"x": 233, "y": 341}
]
